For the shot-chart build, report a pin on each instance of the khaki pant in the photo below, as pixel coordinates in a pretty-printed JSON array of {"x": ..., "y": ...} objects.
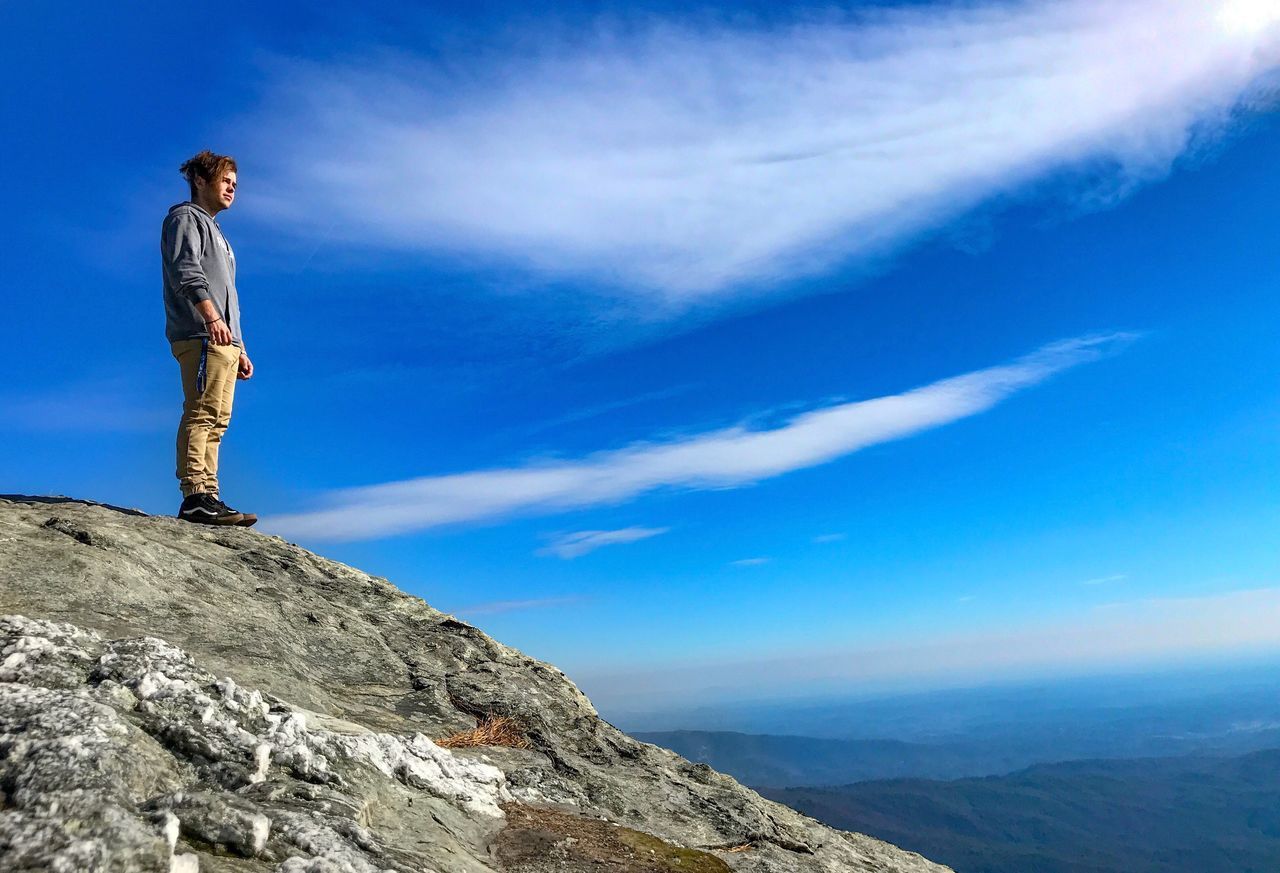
[{"x": 205, "y": 416}]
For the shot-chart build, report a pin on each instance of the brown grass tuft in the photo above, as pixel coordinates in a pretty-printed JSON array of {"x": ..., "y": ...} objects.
[
  {"x": 745, "y": 847},
  {"x": 493, "y": 730}
]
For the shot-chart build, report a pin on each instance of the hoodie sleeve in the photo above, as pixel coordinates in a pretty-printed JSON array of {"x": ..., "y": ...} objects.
[{"x": 183, "y": 247}]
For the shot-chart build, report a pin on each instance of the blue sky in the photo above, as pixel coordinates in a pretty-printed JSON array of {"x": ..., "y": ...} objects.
[{"x": 698, "y": 350}]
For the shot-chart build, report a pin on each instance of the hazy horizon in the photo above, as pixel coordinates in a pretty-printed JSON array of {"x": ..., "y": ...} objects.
[{"x": 1119, "y": 685}]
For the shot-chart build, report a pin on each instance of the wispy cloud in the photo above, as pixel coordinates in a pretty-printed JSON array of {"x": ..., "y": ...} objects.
[
  {"x": 498, "y": 606},
  {"x": 1105, "y": 580},
  {"x": 575, "y": 545},
  {"x": 749, "y": 562},
  {"x": 726, "y": 458},
  {"x": 829, "y": 538},
  {"x": 691, "y": 161}
]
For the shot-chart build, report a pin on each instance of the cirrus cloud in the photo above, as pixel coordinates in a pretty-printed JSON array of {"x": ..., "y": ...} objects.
[
  {"x": 688, "y": 162},
  {"x": 579, "y": 543},
  {"x": 727, "y": 458}
]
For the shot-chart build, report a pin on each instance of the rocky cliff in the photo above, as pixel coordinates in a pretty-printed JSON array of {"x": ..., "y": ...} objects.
[{"x": 179, "y": 698}]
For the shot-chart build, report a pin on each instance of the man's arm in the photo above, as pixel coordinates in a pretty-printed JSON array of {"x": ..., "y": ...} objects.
[
  {"x": 183, "y": 247},
  {"x": 219, "y": 332}
]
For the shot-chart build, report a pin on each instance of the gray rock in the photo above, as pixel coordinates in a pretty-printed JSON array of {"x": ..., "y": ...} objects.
[
  {"x": 218, "y": 819},
  {"x": 271, "y": 710}
]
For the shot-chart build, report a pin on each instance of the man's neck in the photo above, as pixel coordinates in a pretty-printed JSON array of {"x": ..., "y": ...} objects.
[{"x": 211, "y": 208}]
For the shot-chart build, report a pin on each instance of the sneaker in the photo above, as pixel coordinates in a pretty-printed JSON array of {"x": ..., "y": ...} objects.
[
  {"x": 247, "y": 519},
  {"x": 207, "y": 509}
]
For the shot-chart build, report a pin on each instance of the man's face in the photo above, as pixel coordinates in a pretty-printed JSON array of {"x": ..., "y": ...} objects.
[
  {"x": 218, "y": 194},
  {"x": 225, "y": 189}
]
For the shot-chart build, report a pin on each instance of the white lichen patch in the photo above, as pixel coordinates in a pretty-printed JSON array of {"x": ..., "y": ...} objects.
[
  {"x": 184, "y": 864},
  {"x": 420, "y": 763},
  {"x": 44, "y": 652},
  {"x": 171, "y": 828},
  {"x": 74, "y": 709},
  {"x": 330, "y": 851},
  {"x": 417, "y": 762}
]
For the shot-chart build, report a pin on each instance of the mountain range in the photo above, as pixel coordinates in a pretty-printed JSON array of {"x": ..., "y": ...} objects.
[{"x": 1188, "y": 814}]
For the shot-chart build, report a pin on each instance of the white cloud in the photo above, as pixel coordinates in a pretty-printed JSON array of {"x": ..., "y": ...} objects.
[
  {"x": 1105, "y": 580},
  {"x": 691, "y": 161},
  {"x": 575, "y": 545},
  {"x": 726, "y": 458},
  {"x": 749, "y": 562},
  {"x": 829, "y": 538},
  {"x": 1248, "y": 17},
  {"x": 1147, "y": 631}
]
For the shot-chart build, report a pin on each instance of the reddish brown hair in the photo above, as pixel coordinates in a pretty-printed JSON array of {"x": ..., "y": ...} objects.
[{"x": 207, "y": 166}]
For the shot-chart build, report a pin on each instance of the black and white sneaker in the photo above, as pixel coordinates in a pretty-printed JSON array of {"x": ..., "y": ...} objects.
[
  {"x": 247, "y": 519},
  {"x": 206, "y": 509}
]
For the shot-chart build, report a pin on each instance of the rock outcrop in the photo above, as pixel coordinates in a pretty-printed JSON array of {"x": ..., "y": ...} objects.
[{"x": 179, "y": 698}]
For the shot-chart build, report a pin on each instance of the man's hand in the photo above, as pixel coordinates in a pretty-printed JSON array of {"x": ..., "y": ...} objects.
[
  {"x": 219, "y": 333},
  {"x": 245, "y": 370}
]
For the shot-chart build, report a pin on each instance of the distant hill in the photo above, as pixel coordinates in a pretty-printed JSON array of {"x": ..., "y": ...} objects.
[
  {"x": 1158, "y": 815},
  {"x": 785, "y": 761},
  {"x": 1229, "y": 707}
]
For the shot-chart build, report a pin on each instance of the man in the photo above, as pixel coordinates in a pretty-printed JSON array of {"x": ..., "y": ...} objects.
[{"x": 202, "y": 315}]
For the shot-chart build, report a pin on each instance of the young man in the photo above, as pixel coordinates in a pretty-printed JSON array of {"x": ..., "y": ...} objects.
[{"x": 202, "y": 314}]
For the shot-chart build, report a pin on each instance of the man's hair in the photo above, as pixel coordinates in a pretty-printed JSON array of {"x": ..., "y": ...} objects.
[{"x": 207, "y": 166}]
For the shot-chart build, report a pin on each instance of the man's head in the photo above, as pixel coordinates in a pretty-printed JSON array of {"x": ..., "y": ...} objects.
[{"x": 212, "y": 179}]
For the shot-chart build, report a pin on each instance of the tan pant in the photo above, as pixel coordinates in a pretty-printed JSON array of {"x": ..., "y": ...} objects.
[{"x": 205, "y": 416}]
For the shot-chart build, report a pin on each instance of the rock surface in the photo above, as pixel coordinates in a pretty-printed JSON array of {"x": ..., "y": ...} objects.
[{"x": 177, "y": 698}]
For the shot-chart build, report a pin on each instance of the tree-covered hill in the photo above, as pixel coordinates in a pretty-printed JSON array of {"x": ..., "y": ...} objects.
[{"x": 1155, "y": 815}]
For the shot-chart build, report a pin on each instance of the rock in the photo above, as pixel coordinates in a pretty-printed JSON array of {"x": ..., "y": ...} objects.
[
  {"x": 218, "y": 819},
  {"x": 191, "y": 761},
  {"x": 185, "y": 864},
  {"x": 220, "y": 694}
]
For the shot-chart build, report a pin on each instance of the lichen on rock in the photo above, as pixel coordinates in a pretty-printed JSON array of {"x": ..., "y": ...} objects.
[
  {"x": 125, "y": 755},
  {"x": 180, "y": 697}
]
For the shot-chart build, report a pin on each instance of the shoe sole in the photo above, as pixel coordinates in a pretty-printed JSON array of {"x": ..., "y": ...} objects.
[
  {"x": 216, "y": 520},
  {"x": 248, "y": 521}
]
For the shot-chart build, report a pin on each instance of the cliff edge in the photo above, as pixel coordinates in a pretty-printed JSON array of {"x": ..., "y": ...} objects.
[{"x": 178, "y": 698}]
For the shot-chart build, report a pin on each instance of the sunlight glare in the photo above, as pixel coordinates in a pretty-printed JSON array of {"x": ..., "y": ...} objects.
[{"x": 1249, "y": 17}]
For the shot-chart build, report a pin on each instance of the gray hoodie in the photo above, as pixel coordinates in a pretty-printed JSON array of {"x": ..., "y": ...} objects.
[{"x": 198, "y": 265}]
